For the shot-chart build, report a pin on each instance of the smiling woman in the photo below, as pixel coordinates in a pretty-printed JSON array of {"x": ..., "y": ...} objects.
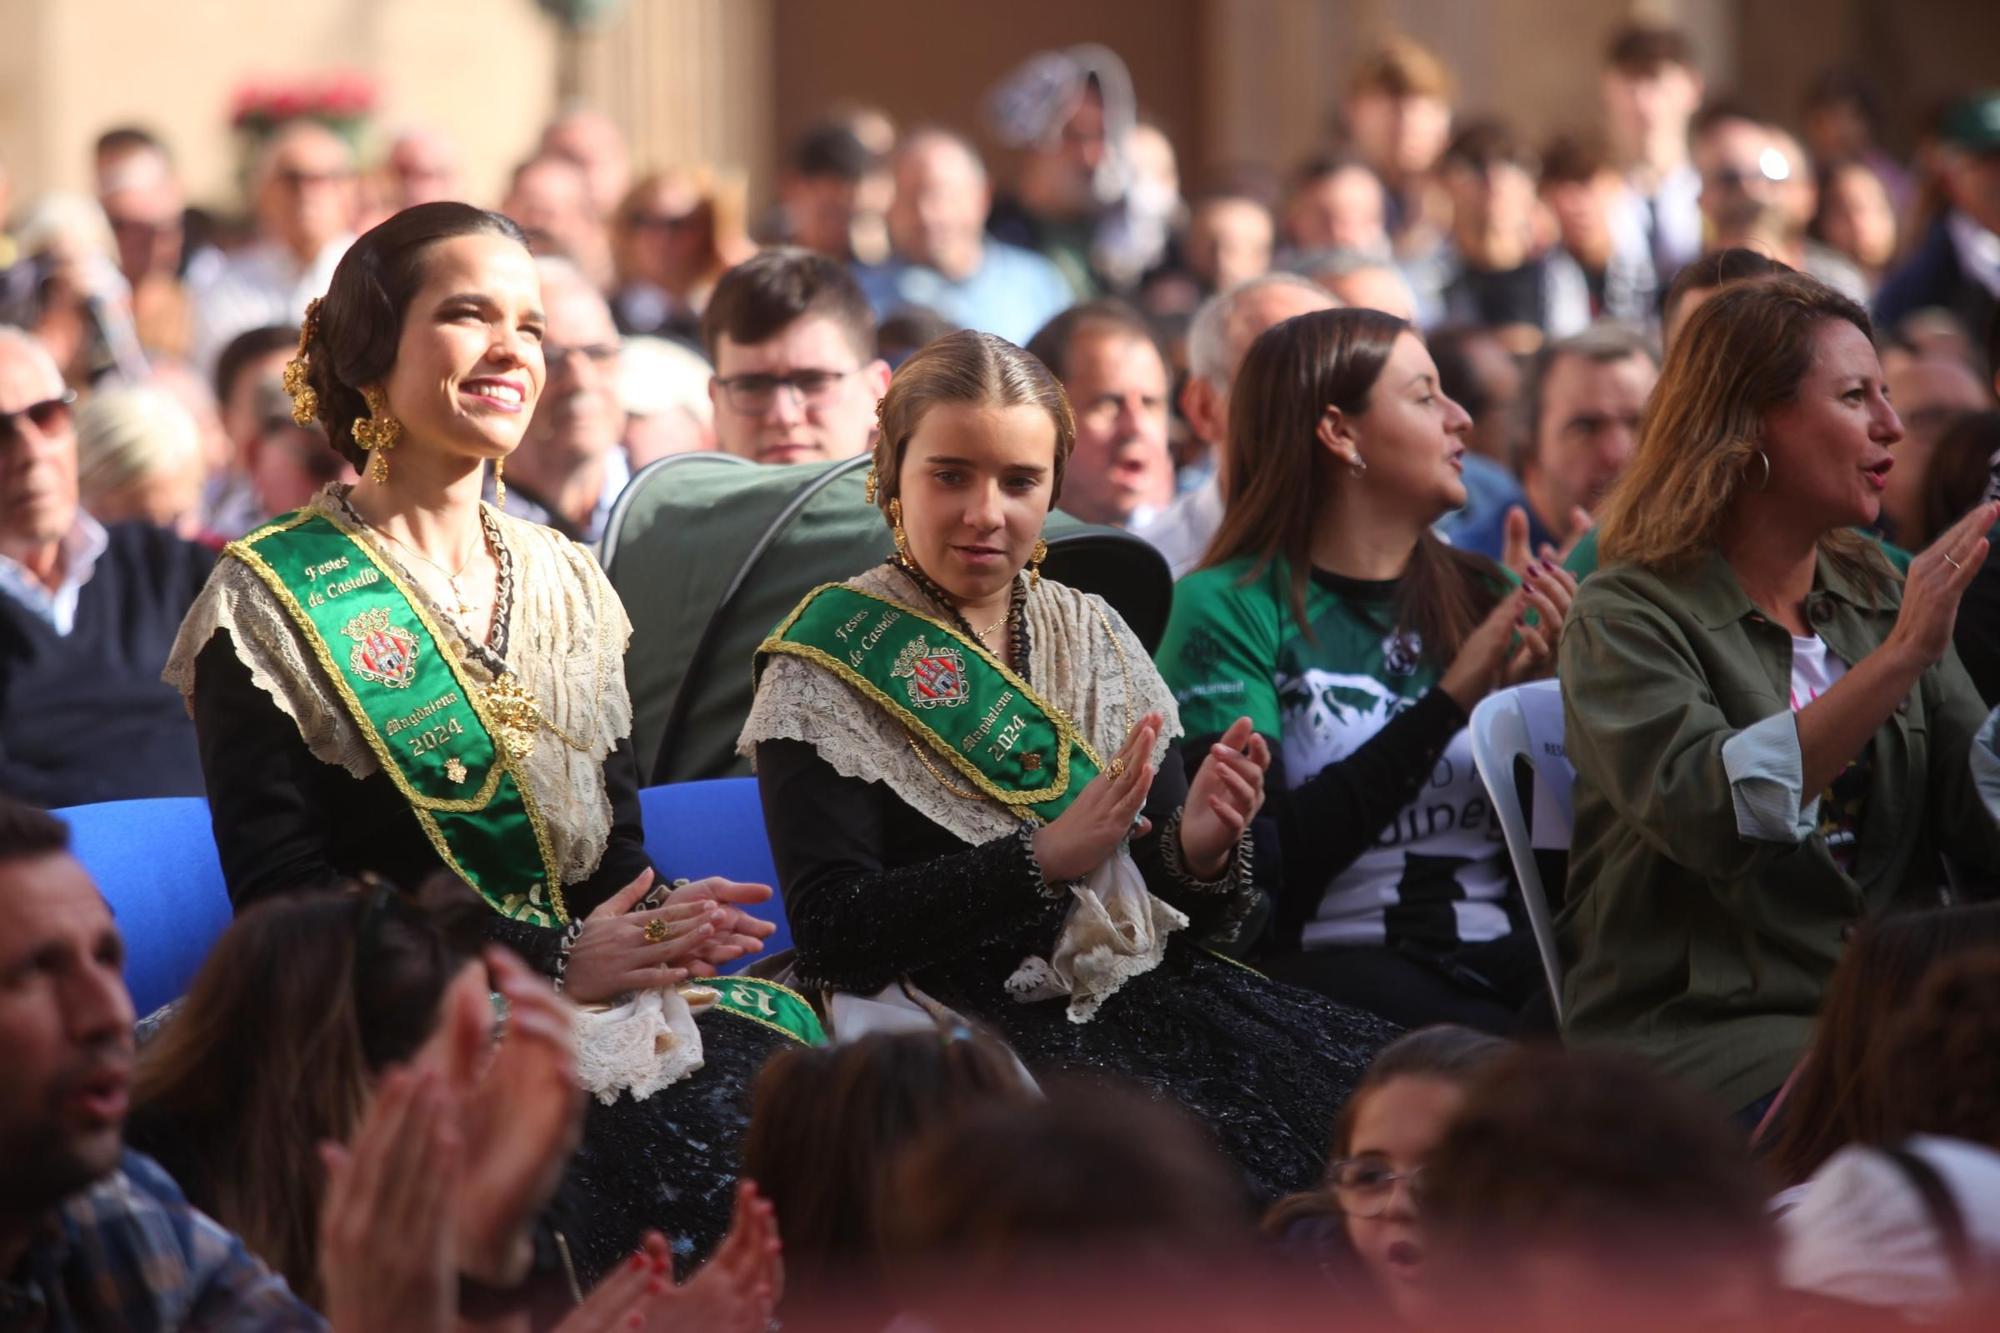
[{"x": 396, "y": 678}]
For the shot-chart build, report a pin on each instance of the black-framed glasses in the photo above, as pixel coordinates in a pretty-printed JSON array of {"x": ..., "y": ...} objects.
[
  {"x": 49, "y": 415},
  {"x": 1363, "y": 1186},
  {"x": 754, "y": 394}
]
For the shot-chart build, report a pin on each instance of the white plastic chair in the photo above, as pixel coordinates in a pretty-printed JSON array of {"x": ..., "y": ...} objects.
[{"x": 1526, "y": 722}]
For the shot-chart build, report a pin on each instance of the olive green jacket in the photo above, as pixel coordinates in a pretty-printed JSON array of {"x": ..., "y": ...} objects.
[{"x": 1704, "y": 915}]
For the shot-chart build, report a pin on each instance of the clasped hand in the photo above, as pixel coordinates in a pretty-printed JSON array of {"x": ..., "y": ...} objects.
[{"x": 704, "y": 925}]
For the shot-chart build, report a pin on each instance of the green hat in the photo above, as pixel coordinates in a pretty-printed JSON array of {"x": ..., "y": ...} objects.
[{"x": 1974, "y": 124}]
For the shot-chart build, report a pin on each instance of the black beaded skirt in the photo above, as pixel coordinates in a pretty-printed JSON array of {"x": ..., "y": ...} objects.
[
  {"x": 668, "y": 1163},
  {"x": 1266, "y": 1066}
]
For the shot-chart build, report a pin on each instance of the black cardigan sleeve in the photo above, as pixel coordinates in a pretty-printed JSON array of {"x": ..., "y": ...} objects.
[
  {"x": 1327, "y": 821},
  {"x": 859, "y": 922},
  {"x": 270, "y": 832}
]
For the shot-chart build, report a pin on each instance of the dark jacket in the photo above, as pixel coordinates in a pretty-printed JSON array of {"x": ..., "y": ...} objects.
[
  {"x": 85, "y": 716},
  {"x": 1693, "y": 931},
  {"x": 1933, "y": 276}
]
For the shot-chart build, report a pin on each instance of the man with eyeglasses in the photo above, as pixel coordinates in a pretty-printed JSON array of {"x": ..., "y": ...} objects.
[
  {"x": 306, "y": 199},
  {"x": 571, "y": 464},
  {"x": 87, "y": 616},
  {"x": 1755, "y": 195},
  {"x": 792, "y": 340}
]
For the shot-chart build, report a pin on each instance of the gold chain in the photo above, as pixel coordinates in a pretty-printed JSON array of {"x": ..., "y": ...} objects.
[{"x": 931, "y": 768}]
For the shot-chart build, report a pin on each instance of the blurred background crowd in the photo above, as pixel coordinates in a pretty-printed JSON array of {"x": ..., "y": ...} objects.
[
  {"x": 1505, "y": 174},
  {"x": 745, "y": 215}
]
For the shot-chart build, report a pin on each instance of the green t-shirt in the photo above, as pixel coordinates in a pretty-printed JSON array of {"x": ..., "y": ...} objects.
[{"x": 1438, "y": 873}]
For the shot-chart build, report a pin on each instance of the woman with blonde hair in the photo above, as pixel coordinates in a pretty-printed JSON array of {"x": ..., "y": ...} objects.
[
  {"x": 1770, "y": 730},
  {"x": 674, "y": 235},
  {"x": 138, "y": 456}
]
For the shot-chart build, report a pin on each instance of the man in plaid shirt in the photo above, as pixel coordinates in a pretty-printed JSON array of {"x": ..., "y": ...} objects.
[{"x": 92, "y": 1236}]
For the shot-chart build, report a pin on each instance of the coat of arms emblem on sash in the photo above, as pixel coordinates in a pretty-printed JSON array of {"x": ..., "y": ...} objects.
[
  {"x": 935, "y": 678},
  {"x": 383, "y": 653}
]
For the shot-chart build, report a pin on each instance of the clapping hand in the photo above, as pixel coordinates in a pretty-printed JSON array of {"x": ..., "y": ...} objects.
[
  {"x": 521, "y": 1109},
  {"x": 1226, "y": 794},
  {"x": 735, "y": 1292},
  {"x": 1936, "y": 582},
  {"x": 620, "y": 950},
  {"x": 387, "y": 1233},
  {"x": 1514, "y": 541},
  {"x": 1491, "y": 656},
  {"x": 1082, "y": 838},
  {"x": 736, "y": 933}
]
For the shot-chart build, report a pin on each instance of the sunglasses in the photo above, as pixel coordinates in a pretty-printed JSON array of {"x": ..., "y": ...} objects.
[{"x": 49, "y": 415}]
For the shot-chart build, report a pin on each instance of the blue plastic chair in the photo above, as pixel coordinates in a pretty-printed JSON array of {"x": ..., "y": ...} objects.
[
  {"x": 155, "y": 863},
  {"x": 715, "y": 827}
]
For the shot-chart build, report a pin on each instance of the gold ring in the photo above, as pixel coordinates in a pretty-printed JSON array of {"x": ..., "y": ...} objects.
[
  {"x": 656, "y": 931},
  {"x": 1117, "y": 768}
]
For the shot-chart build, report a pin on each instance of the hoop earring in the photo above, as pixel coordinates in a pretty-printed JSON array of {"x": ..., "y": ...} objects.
[
  {"x": 1040, "y": 553},
  {"x": 378, "y": 434},
  {"x": 896, "y": 528},
  {"x": 1765, "y": 483}
]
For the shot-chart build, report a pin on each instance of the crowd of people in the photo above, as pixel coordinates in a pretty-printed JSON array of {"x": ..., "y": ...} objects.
[{"x": 1134, "y": 978}]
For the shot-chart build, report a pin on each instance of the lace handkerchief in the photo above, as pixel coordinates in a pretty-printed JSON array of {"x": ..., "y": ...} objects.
[
  {"x": 648, "y": 1043},
  {"x": 1115, "y": 930}
]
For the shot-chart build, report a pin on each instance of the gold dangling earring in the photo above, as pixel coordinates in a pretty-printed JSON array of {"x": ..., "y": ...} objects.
[
  {"x": 499, "y": 483},
  {"x": 1035, "y": 558},
  {"x": 378, "y": 434},
  {"x": 896, "y": 528},
  {"x": 868, "y": 489}
]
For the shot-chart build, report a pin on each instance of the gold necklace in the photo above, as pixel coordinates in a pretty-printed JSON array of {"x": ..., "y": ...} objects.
[
  {"x": 998, "y": 623},
  {"x": 466, "y": 606}
]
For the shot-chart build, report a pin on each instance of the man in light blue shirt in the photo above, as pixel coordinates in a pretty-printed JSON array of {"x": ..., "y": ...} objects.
[{"x": 944, "y": 260}]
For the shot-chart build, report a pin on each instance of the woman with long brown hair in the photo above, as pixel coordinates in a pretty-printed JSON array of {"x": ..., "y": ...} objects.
[
  {"x": 273, "y": 1051},
  {"x": 1770, "y": 730},
  {"x": 308, "y": 1002},
  {"x": 1357, "y": 642}
]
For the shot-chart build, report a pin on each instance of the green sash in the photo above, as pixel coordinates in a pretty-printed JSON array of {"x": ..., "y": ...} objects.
[
  {"x": 949, "y": 691},
  {"x": 427, "y": 723},
  {"x": 767, "y": 1004}
]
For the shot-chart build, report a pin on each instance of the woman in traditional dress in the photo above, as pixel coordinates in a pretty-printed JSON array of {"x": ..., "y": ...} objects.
[
  {"x": 397, "y": 678},
  {"x": 976, "y": 805}
]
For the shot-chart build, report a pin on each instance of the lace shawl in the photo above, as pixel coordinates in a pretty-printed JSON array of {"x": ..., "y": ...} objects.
[
  {"x": 565, "y": 640},
  {"x": 1085, "y": 662}
]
